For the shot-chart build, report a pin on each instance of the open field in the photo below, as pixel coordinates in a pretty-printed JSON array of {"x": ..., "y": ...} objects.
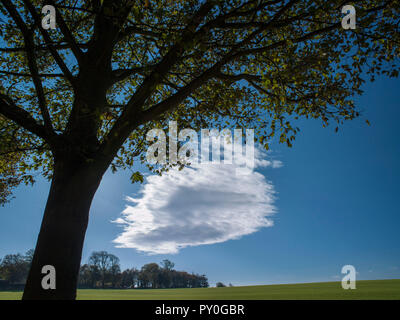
[{"x": 366, "y": 289}]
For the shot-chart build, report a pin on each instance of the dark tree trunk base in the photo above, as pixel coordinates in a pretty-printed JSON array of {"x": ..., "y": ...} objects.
[{"x": 62, "y": 233}]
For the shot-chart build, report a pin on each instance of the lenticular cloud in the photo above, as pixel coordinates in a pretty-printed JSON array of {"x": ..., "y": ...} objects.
[{"x": 203, "y": 204}]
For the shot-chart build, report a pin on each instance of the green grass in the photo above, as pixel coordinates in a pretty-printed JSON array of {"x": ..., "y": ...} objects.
[{"x": 366, "y": 289}]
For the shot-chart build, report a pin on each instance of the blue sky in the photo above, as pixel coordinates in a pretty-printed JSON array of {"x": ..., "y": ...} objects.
[{"x": 336, "y": 204}]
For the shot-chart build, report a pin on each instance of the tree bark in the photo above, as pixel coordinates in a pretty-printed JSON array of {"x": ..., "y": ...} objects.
[{"x": 63, "y": 229}]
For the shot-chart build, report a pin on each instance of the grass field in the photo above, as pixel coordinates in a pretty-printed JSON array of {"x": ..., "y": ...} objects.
[{"x": 366, "y": 289}]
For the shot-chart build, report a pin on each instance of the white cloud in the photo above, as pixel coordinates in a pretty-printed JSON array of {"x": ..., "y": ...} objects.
[
  {"x": 203, "y": 204},
  {"x": 277, "y": 164}
]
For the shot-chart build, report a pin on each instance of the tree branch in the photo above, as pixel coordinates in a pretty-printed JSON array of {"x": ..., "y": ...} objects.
[
  {"x": 67, "y": 34},
  {"x": 238, "y": 77},
  {"x": 125, "y": 124},
  {"x": 42, "y": 147},
  {"x": 122, "y": 74},
  {"x": 29, "y": 45},
  {"x": 24, "y": 119},
  {"x": 49, "y": 42},
  {"x": 44, "y": 48},
  {"x": 41, "y": 75},
  {"x": 136, "y": 30}
]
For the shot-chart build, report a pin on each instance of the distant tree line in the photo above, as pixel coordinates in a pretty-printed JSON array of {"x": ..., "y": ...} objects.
[
  {"x": 14, "y": 270},
  {"x": 103, "y": 270}
]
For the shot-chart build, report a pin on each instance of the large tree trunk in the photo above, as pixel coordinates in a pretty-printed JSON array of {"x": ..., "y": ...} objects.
[{"x": 63, "y": 230}]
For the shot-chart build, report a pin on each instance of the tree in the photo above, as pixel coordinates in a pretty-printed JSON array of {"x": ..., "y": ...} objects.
[
  {"x": 129, "y": 278},
  {"x": 150, "y": 274},
  {"x": 115, "y": 272},
  {"x": 203, "y": 281},
  {"x": 88, "y": 276},
  {"x": 167, "y": 264},
  {"x": 79, "y": 99},
  {"x": 15, "y": 267},
  {"x": 165, "y": 273},
  {"x": 220, "y": 285},
  {"x": 29, "y": 256},
  {"x": 107, "y": 264}
]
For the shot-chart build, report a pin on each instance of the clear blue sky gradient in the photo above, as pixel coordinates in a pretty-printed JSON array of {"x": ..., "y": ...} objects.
[{"x": 338, "y": 203}]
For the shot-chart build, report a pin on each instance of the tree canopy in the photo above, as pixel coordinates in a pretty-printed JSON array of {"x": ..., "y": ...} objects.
[{"x": 111, "y": 70}]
